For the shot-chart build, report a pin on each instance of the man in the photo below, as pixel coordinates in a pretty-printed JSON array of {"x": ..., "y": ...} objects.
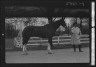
[{"x": 75, "y": 37}]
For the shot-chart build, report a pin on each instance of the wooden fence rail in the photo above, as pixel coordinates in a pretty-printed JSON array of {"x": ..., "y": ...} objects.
[{"x": 56, "y": 40}]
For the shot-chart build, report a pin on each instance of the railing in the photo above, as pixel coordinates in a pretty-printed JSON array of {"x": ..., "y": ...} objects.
[
  {"x": 57, "y": 40},
  {"x": 61, "y": 40}
]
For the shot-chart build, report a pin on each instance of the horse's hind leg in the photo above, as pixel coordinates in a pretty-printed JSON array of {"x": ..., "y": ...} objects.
[
  {"x": 25, "y": 49},
  {"x": 25, "y": 40}
]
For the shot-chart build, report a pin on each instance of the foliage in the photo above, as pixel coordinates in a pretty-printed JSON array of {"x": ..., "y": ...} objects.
[{"x": 10, "y": 32}]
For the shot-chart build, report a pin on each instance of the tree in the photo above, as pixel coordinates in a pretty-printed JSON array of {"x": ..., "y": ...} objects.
[
  {"x": 8, "y": 30},
  {"x": 85, "y": 26}
]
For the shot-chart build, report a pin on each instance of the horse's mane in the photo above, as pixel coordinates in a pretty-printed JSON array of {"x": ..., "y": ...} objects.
[{"x": 53, "y": 23}]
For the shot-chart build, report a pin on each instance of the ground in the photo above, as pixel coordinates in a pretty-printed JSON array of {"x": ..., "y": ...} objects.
[{"x": 42, "y": 56}]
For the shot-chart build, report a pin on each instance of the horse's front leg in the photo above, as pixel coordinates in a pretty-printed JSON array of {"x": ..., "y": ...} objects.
[
  {"x": 49, "y": 46},
  {"x": 50, "y": 41}
]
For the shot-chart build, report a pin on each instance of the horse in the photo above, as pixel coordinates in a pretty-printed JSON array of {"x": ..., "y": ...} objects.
[{"x": 46, "y": 31}]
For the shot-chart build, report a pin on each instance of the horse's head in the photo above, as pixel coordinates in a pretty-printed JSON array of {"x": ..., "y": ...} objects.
[
  {"x": 62, "y": 22},
  {"x": 58, "y": 23}
]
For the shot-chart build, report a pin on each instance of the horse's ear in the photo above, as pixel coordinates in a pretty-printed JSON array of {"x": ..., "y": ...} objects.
[{"x": 63, "y": 18}]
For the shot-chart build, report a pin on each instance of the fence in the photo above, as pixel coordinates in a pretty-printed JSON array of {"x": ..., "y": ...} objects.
[{"x": 61, "y": 40}]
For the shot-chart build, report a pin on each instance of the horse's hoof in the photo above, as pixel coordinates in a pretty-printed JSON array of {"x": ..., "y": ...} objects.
[
  {"x": 50, "y": 53},
  {"x": 25, "y": 54}
]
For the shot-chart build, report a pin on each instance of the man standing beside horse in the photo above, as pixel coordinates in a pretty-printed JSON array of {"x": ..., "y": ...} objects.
[{"x": 75, "y": 37}]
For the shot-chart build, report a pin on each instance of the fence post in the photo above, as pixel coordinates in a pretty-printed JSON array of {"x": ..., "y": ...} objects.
[{"x": 58, "y": 40}]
